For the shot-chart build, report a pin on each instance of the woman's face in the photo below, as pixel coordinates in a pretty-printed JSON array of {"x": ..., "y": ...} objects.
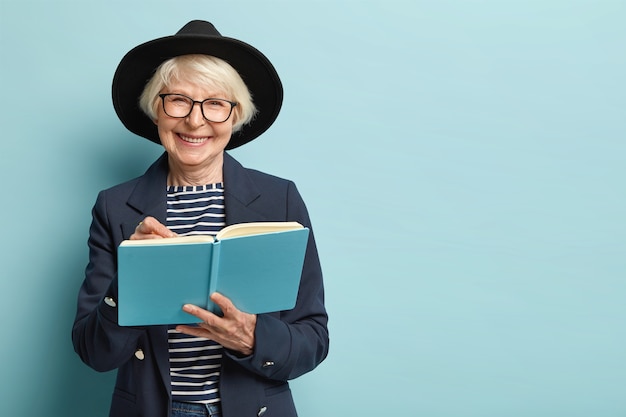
[{"x": 193, "y": 142}]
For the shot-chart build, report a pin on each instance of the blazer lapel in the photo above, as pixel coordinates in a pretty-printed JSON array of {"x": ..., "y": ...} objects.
[
  {"x": 149, "y": 196},
  {"x": 240, "y": 192}
]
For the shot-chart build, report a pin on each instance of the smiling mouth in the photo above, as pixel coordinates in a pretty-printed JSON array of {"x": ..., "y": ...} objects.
[{"x": 190, "y": 139}]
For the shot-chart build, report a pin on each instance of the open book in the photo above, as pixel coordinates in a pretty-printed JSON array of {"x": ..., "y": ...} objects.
[{"x": 256, "y": 265}]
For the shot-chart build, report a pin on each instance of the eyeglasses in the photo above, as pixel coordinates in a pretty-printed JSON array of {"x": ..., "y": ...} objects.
[{"x": 216, "y": 110}]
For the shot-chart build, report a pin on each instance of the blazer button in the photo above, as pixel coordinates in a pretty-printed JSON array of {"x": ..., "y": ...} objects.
[
  {"x": 262, "y": 411},
  {"x": 267, "y": 364},
  {"x": 139, "y": 354},
  {"x": 110, "y": 302}
]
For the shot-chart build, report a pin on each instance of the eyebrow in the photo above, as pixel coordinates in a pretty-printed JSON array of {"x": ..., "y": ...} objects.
[{"x": 213, "y": 95}]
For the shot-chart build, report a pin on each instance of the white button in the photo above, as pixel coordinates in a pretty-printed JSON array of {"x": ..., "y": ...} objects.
[
  {"x": 262, "y": 411},
  {"x": 267, "y": 364},
  {"x": 139, "y": 354},
  {"x": 110, "y": 302}
]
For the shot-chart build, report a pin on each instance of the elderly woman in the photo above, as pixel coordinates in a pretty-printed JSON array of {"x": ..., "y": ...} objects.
[{"x": 205, "y": 93}]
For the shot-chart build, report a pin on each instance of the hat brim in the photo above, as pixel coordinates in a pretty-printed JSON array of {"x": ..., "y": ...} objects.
[{"x": 139, "y": 64}]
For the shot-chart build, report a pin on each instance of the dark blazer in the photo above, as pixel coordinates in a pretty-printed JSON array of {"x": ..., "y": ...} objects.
[{"x": 288, "y": 343}]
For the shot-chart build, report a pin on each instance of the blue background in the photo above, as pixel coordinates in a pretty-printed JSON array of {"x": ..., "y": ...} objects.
[{"x": 463, "y": 163}]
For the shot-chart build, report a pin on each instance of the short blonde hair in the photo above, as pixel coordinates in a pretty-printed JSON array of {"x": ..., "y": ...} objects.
[{"x": 205, "y": 70}]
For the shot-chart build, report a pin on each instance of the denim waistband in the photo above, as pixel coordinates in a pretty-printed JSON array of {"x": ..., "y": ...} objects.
[{"x": 197, "y": 408}]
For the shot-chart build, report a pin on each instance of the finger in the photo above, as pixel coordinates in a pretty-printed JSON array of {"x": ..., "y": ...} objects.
[
  {"x": 151, "y": 228},
  {"x": 223, "y": 303},
  {"x": 150, "y": 225},
  {"x": 204, "y": 315},
  {"x": 194, "y": 330},
  {"x": 141, "y": 236}
]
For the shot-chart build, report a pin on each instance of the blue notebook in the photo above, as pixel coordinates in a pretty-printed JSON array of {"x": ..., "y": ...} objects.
[{"x": 256, "y": 265}]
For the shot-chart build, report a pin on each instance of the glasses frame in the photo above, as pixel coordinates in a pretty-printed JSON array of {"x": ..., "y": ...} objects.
[{"x": 201, "y": 103}]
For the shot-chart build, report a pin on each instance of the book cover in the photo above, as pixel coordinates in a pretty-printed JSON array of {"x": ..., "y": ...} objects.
[{"x": 256, "y": 265}]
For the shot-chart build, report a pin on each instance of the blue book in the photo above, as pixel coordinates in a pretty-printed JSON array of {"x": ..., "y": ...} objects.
[{"x": 256, "y": 265}]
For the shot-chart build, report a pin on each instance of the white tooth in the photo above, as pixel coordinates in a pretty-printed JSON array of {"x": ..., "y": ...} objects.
[{"x": 193, "y": 140}]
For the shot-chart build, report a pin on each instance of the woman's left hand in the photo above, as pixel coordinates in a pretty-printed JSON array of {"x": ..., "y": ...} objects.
[{"x": 235, "y": 330}]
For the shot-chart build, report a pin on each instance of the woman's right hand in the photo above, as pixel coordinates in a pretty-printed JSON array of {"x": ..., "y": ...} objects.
[{"x": 151, "y": 228}]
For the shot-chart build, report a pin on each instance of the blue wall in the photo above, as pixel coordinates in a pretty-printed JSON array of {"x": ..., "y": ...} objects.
[{"x": 464, "y": 164}]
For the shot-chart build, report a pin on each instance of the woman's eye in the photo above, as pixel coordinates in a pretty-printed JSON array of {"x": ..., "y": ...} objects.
[{"x": 179, "y": 100}]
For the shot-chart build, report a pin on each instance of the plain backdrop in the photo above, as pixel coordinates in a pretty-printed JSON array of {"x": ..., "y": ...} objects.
[{"x": 463, "y": 163}]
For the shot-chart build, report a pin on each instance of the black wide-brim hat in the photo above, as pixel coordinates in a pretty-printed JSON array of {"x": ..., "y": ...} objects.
[{"x": 197, "y": 37}]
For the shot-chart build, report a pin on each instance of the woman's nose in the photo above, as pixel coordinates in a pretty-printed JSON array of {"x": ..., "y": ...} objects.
[{"x": 196, "y": 118}]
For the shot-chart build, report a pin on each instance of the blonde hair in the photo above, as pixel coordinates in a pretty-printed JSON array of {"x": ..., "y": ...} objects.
[{"x": 205, "y": 70}]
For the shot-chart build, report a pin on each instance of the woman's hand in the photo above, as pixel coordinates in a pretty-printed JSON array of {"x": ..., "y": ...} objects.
[
  {"x": 150, "y": 228},
  {"x": 234, "y": 331}
]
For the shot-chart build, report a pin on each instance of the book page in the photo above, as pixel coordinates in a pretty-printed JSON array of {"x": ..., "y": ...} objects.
[
  {"x": 256, "y": 228},
  {"x": 178, "y": 240}
]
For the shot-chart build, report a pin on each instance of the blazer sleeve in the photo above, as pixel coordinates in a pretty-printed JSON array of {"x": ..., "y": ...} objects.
[
  {"x": 291, "y": 343},
  {"x": 98, "y": 340}
]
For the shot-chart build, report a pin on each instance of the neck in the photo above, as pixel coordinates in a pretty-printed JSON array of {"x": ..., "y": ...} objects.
[{"x": 195, "y": 175}]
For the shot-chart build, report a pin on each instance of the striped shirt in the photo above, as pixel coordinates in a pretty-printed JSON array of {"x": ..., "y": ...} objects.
[{"x": 195, "y": 363}]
